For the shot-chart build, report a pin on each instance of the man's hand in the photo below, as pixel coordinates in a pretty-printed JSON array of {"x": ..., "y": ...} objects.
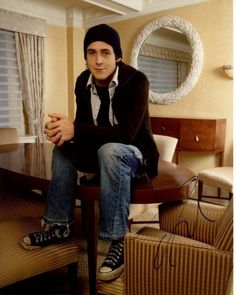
[{"x": 59, "y": 129}]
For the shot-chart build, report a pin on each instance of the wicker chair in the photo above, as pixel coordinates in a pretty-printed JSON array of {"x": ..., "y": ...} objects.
[{"x": 192, "y": 253}]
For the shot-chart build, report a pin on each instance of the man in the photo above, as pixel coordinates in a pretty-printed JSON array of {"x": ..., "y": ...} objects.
[{"x": 110, "y": 136}]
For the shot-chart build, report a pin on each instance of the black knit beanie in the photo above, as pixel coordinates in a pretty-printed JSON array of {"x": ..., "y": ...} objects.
[{"x": 105, "y": 34}]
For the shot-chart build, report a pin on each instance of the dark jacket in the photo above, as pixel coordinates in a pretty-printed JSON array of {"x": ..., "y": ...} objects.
[{"x": 130, "y": 107}]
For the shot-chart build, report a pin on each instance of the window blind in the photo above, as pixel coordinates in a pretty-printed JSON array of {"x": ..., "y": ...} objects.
[
  {"x": 162, "y": 74},
  {"x": 11, "y": 113}
]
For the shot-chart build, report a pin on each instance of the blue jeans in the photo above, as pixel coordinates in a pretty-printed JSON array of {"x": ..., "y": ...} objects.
[{"x": 118, "y": 164}]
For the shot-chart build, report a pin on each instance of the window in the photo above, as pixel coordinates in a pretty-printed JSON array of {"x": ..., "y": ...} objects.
[
  {"x": 11, "y": 110},
  {"x": 162, "y": 74}
]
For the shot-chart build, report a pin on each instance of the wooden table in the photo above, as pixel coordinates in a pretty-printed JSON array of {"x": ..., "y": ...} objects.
[{"x": 29, "y": 166}]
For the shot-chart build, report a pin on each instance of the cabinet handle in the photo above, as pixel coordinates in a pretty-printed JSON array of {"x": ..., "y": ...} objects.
[
  {"x": 197, "y": 138},
  {"x": 163, "y": 128}
]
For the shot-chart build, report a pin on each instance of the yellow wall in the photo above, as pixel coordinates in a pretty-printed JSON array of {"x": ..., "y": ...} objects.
[
  {"x": 63, "y": 63},
  {"x": 55, "y": 71},
  {"x": 75, "y": 63},
  {"x": 211, "y": 97}
]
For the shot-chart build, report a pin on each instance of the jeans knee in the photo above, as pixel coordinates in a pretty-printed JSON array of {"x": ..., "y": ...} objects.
[
  {"x": 61, "y": 162},
  {"x": 107, "y": 151},
  {"x": 58, "y": 157}
]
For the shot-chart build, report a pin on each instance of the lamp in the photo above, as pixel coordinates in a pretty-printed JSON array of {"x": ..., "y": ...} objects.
[{"x": 228, "y": 69}]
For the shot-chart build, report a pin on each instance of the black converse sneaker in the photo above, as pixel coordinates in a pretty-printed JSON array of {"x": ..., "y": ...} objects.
[
  {"x": 54, "y": 234},
  {"x": 113, "y": 264}
]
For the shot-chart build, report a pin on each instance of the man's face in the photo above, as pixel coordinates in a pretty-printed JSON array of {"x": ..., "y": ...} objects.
[{"x": 101, "y": 61}]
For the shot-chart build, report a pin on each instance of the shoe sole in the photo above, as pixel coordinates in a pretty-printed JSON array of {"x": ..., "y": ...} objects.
[
  {"x": 109, "y": 276},
  {"x": 30, "y": 247},
  {"x": 27, "y": 246}
]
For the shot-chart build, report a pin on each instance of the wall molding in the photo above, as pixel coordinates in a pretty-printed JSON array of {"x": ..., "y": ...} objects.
[
  {"x": 58, "y": 15},
  {"x": 17, "y": 22}
]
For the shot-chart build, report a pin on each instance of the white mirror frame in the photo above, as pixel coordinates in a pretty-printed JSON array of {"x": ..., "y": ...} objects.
[{"x": 197, "y": 56}]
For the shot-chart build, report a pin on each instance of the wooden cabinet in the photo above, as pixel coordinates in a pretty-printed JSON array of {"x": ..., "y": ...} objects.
[{"x": 196, "y": 135}]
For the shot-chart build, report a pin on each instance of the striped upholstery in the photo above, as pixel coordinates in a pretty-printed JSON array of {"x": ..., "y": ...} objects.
[
  {"x": 224, "y": 238},
  {"x": 15, "y": 204},
  {"x": 167, "y": 262},
  {"x": 115, "y": 287},
  {"x": 167, "y": 266},
  {"x": 186, "y": 220},
  {"x": 17, "y": 264}
]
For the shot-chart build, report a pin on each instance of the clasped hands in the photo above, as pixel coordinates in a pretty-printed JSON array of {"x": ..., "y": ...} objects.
[{"x": 59, "y": 129}]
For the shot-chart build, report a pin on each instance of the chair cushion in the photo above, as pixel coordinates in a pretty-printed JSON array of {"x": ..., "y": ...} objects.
[
  {"x": 171, "y": 238},
  {"x": 17, "y": 264},
  {"x": 221, "y": 177},
  {"x": 15, "y": 204},
  {"x": 191, "y": 219},
  {"x": 166, "y": 146},
  {"x": 137, "y": 209}
]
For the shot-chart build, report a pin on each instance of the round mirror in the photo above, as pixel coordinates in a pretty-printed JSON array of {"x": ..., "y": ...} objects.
[{"x": 169, "y": 50}]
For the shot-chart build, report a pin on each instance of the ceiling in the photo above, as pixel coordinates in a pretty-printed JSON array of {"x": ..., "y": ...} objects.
[{"x": 95, "y": 11}]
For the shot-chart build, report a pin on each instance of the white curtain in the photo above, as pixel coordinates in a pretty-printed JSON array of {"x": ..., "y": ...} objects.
[{"x": 30, "y": 59}]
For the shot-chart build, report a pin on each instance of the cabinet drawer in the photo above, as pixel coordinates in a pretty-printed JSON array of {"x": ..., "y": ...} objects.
[
  {"x": 165, "y": 126},
  {"x": 198, "y": 135}
]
